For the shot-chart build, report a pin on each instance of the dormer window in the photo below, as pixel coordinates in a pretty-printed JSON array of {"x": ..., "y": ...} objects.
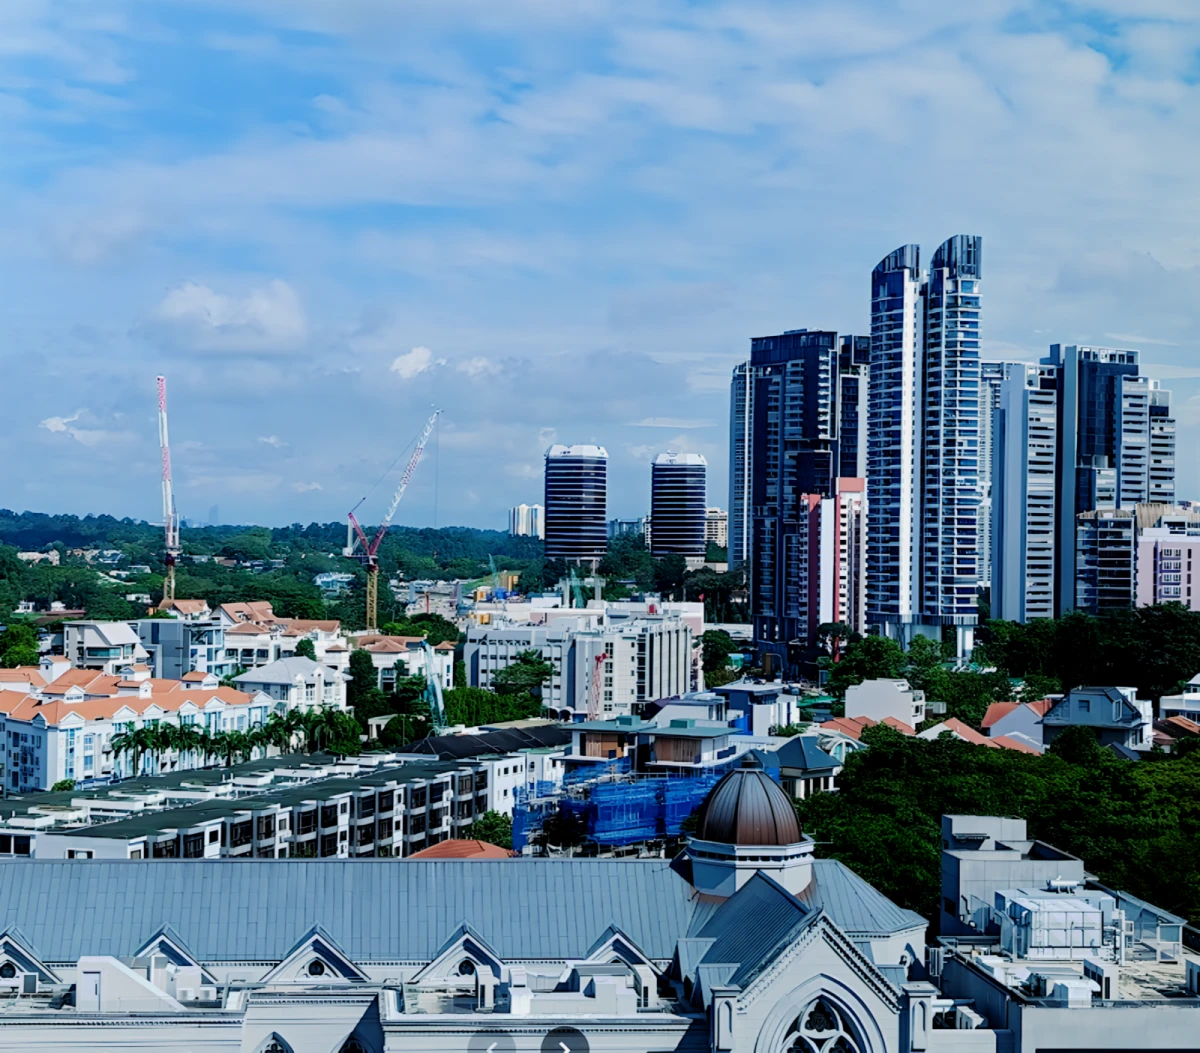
[{"x": 316, "y": 967}]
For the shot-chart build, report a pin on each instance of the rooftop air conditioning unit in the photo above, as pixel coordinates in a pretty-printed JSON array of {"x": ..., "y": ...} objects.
[
  {"x": 186, "y": 994},
  {"x": 208, "y": 994}
]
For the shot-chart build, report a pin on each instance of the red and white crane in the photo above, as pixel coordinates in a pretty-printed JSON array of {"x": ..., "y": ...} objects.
[
  {"x": 593, "y": 695},
  {"x": 170, "y": 518},
  {"x": 356, "y": 537}
]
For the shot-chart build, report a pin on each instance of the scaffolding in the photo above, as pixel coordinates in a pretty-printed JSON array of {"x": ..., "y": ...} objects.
[{"x": 616, "y": 811}]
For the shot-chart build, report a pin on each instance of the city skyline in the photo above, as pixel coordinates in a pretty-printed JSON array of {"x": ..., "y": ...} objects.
[{"x": 331, "y": 253}]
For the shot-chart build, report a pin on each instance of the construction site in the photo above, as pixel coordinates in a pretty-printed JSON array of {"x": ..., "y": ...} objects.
[{"x": 609, "y": 812}]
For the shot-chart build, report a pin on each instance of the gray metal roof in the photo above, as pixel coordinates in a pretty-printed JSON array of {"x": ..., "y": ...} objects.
[
  {"x": 377, "y": 910},
  {"x": 803, "y": 753},
  {"x": 753, "y": 928},
  {"x": 856, "y": 907},
  {"x": 285, "y": 671}
]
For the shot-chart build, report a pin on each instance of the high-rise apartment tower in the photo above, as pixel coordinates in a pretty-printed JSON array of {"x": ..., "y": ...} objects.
[{"x": 923, "y": 442}]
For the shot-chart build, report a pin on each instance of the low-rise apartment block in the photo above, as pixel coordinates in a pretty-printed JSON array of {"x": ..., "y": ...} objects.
[
  {"x": 295, "y": 806},
  {"x": 645, "y": 658}
]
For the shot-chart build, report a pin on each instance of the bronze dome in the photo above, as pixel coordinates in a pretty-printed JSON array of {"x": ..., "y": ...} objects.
[{"x": 748, "y": 807}]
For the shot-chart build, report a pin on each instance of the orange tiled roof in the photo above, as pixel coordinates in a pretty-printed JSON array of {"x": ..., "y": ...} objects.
[
  {"x": 54, "y": 711},
  {"x": 899, "y": 725},
  {"x": 459, "y": 848},
  {"x": 23, "y": 674},
  {"x": 998, "y": 711},
  {"x": 1014, "y": 744}
]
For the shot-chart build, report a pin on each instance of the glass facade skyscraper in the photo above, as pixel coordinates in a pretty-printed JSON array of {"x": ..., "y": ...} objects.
[
  {"x": 678, "y": 505},
  {"x": 741, "y": 450},
  {"x": 789, "y": 391},
  {"x": 854, "y": 366},
  {"x": 893, "y": 441},
  {"x": 1116, "y": 445},
  {"x": 1023, "y": 479},
  {"x": 950, "y": 445},
  {"x": 576, "y": 503},
  {"x": 923, "y": 442}
]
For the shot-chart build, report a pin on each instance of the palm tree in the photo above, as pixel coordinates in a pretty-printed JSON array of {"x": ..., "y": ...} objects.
[
  {"x": 187, "y": 742},
  {"x": 126, "y": 741},
  {"x": 161, "y": 738},
  {"x": 281, "y": 730}
]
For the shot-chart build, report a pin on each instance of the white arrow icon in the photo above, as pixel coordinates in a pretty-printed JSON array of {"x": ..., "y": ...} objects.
[
  {"x": 492, "y": 1047},
  {"x": 564, "y": 1047}
]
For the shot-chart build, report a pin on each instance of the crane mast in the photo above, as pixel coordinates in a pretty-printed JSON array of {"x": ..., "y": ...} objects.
[
  {"x": 594, "y": 686},
  {"x": 170, "y": 518},
  {"x": 356, "y": 537}
]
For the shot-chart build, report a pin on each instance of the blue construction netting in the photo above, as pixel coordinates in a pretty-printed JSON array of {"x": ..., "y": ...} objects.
[{"x": 622, "y": 813}]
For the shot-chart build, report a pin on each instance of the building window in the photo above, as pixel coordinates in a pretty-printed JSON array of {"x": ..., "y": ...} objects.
[
  {"x": 316, "y": 968},
  {"x": 8, "y": 971}
]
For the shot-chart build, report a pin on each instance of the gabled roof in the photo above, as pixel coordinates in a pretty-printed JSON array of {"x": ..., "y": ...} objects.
[
  {"x": 854, "y": 905},
  {"x": 381, "y": 910},
  {"x": 253, "y": 610},
  {"x": 462, "y": 848},
  {"x": 23, "y": 674},
  {"x": 184, "y": 606},
  {"x": 753, "y": 927},
  {"x": 997, "y": 711},
  {"x": 16, "y": 948},
  {"x": 317, "y": 943},
  {"x": 1009, "y": 743},
  {"x": 847, "y": 726},
  {"x": 92, "y": 681},
  {"x": 285, "y": 671},
  {"x": 803, "y": 753}
]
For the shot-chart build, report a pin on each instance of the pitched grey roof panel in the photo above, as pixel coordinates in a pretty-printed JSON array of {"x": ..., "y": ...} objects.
[
  {"x": 752, "y": 928},
  {"x": 377, "y": 910},
  {"x": 804, "y": 753},
  {"x": 852, "y": 904}
]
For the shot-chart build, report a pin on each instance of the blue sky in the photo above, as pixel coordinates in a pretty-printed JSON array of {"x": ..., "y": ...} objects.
[{"x": 560, "y": 220}]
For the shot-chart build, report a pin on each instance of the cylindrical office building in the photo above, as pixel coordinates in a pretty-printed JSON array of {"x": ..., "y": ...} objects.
[
  {"x": 678, "y": 503},
  {"x": 576, "y": 504}
]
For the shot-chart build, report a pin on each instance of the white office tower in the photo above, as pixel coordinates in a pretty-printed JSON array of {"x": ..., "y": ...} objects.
[
  {"x": 526, "y": 521},
  {"x": 923, "y": 443},
  {"x": 1024, "y": 468},
  {"x": 741, "y": 449},
  {"x": 991, "y": 376}
]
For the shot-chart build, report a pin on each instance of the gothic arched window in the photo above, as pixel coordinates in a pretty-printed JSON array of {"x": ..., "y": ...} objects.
[
  {"x": 275, "y": 1044},
  {"x": 352, "y": 1045},
  {"x": 822, "y": 1028}
]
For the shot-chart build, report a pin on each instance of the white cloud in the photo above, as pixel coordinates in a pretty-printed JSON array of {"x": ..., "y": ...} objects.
[
  {"x": 304, "y": 488},
  {"x": 269, "y": 319},
  {"x": 414, "y": 362},
  {"x": 272, "y": 440},
  {"x": 85, "y": 436},
  {"x": 58, "y": 424},
  {"x": 478, "y": 367}
]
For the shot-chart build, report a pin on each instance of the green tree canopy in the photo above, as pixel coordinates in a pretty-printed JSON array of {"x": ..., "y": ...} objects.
[
  {"x": 494, "y": 828},
  {"x": 306, "y": 649},
  {"x": 870, "y": 658},
  {"x": 526, "y": 674}
]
